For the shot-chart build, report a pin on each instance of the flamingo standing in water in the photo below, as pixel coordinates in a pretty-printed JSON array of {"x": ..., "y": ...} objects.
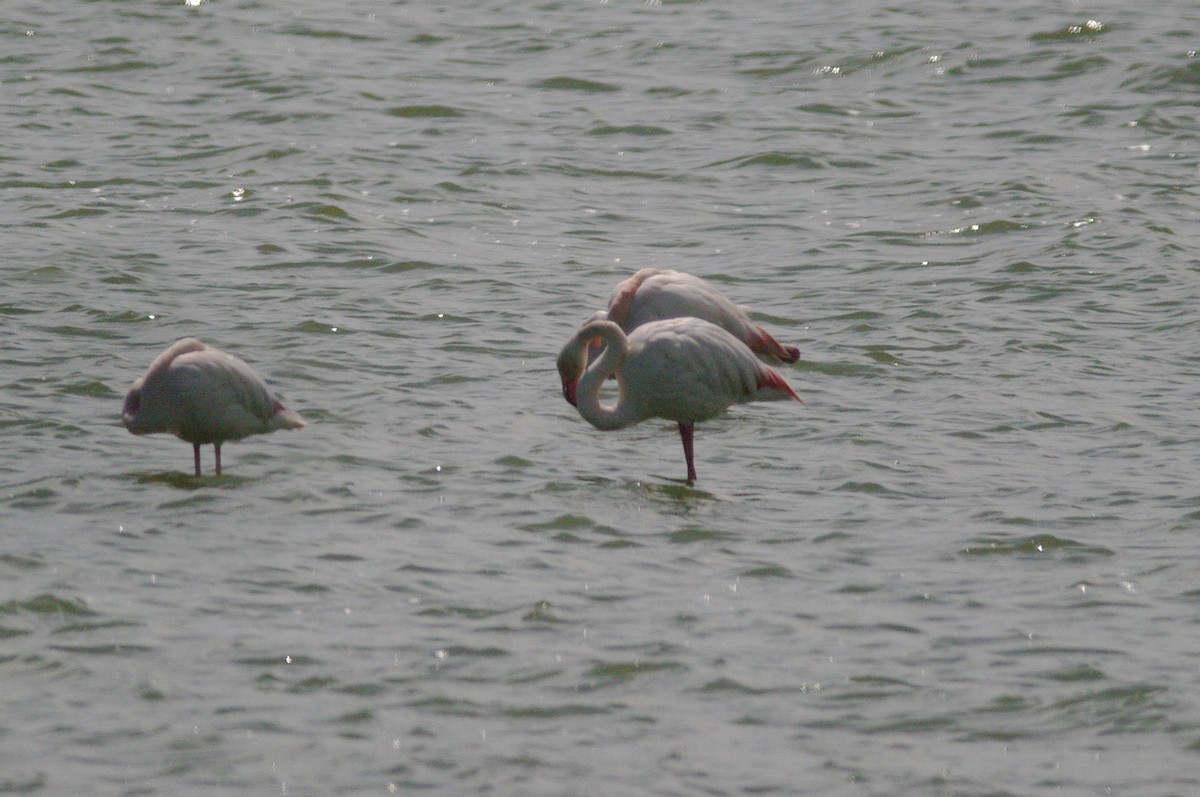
[
  {"x": 656, "y": 294},
  {"x": 203, "y": 395},
  {"x": 682, "y": 369}
]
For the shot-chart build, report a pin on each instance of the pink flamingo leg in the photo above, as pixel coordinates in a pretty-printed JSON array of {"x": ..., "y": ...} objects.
[
  {"x": 196, "y": 452},
  {"x": 685, "y": 434},
  {"x": 217, "y": 449}
]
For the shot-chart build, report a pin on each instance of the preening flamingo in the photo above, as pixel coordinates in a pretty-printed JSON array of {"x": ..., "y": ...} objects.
[
  {"x": 681, "y": 369},
  {"x": 657, "y": 294},
  {"x": 203, "y": 395}
]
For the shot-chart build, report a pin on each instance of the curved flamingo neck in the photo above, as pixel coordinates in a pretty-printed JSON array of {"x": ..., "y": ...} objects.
[{"x": 610, "y": 363}]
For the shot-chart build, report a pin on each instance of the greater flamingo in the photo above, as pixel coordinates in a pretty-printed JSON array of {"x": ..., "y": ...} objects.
[
  {"x": 658, "y": 294},
  {"x": 203, "y": 395},
  {"x": 682, "y": 369}
]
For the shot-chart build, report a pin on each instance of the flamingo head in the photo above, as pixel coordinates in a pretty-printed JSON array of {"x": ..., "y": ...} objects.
[
  {"x": 572, "y": 361},
  {"x": 574, "y": 358},
  {"x": 133, "y": 402},
  {"x": 570, "y": 368},
  {"x": 570, "y": 387}
]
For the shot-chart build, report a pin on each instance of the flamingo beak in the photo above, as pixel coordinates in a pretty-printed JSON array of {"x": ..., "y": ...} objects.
[{"x": 570, "y": 386}]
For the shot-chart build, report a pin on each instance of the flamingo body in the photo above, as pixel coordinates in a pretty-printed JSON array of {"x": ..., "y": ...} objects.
[
  {"x": 204, "y": 396},
  {"x": 681, "y": 369},
  {"x": 654, "y": 294}
]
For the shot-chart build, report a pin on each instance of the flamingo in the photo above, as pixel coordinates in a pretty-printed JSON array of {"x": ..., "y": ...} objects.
[
  {"x": 203, "y": 395},
  {"x": 681, "y": 369},
  {"x": 654, "y": 294}
]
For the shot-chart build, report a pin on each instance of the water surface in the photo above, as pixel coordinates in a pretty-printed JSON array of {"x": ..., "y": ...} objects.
[{"x": 964, "y": 566}]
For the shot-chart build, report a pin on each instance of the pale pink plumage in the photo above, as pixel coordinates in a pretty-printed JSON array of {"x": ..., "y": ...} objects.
[
  {"x": 656, "y": 294},
  {"x": 682, "y": 369},
  {"x": 203, "y": 395}
]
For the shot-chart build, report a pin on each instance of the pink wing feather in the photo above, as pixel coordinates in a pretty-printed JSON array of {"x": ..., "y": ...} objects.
[{"x": 655, "y": 295}]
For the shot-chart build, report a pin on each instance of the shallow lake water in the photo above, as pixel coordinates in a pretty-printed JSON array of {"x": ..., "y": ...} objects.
[{"x": 963, "y": 566}]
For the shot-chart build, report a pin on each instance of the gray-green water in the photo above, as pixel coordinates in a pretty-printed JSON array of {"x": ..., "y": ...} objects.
[{"x": 967, "y": 565}]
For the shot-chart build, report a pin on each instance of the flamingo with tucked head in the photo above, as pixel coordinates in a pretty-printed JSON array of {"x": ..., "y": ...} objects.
[
  {"x": 682, "y": 369},
  {"x": 203, "y": 395},
  {"x": 654, "y": 294}
]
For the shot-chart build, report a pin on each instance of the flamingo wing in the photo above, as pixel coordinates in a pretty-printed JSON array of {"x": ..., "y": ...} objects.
[
  {"x": 221, "y": 398},
  {"x": 688, "y": 369},
  {"x": 656, "y": 295}
]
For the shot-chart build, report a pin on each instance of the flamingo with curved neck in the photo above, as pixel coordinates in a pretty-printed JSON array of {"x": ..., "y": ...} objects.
[{"x": 681, "y": 369}]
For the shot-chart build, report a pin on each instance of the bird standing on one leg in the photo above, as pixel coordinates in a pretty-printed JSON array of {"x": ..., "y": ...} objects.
[
  {"x": 203, "y": 395},
  {"x": 682, "y": 369}
]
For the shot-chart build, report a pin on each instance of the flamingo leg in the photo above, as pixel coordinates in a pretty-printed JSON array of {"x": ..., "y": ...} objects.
[
  {"x": 217, "y": 449},
  {"x": 685, "y": 435},
  {"x": 196, "y": 453}
]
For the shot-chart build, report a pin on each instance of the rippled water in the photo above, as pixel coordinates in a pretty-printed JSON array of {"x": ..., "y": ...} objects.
[{"x": 964, "y": 566}]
